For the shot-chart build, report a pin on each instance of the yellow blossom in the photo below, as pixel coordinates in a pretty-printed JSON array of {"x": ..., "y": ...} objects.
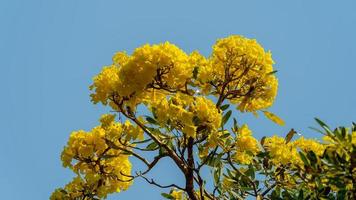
[
  {"x": 93, "y": 156},
  {"x": 310, "y": 145},
  {"x": 246, "y": 145},
  {"x": 177, "y": 194},
  {"x": 281, "y": 152},
  {"x": 244, "y": 70}
]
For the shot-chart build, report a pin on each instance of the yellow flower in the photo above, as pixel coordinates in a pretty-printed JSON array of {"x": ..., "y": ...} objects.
[
  {"x": 106, "y": 120},
  {"x": 187, "y": 113},
  {"x": 165, "y": 61},
  {"x": 131, "y": 77},
  {"x": 86, "y": 154},
  {"x": 105, "y": 84},
  {"x": 309, "y": 145},
  {"x": 190, "y": 131},
  {"x": 207, "y": 113},
  {"x": 177, "y": 194},
  {"x": 246, "y": 145},
  {"x": 120, "y": 58},
  {"x": 243, "y": 158},
  {"x": 247, "y": 69},
  {"x": 282, "y": 152}
]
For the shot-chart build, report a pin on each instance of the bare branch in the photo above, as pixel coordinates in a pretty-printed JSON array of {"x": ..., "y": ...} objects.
[
  {"x": 151, "y": 181},
  {"x": 181, "y": 165}
]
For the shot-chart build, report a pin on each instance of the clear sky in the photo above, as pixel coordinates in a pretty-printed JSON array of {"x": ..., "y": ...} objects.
[{"x": 50, "y": 50}]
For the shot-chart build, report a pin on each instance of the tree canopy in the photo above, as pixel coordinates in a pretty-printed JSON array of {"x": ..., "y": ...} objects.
[{"x": 182, "y": 106}]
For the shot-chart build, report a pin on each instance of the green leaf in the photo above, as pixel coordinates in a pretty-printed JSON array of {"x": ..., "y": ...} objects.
[
  {"x": 312, "y": 157},
  {"x": 262, "y": 142},
  {"x": 304, "y": 158},
  {"x": 236, "y": 126},
  {"x": 229, "y": 173},
  {"x": 324, "y": 126},
  {"x": 141, "y": 142},
  {"x": 154, "y": 131},
  {"x": 226, "y": 117},
  {"x": 250, "y": 172},
  {"x": 195, "y": 72},
  {"x": 224, "y": 136},
  {"x": 224, "y": 107},
  {"x": 301, "y": 195},
  {"x": 167, "y": 196},
  {"x": 152, "y": 146},
  {"x": 272, "y": 72},
  {"x": 276, "y": 193},
  {"x": 343, "y": 132},
  {"x": 154, "y": 111},
  {"x": 212, "y": 161},
  {"x": 151, "y": 120},
  {"x": 290, "y": 135},
  {"x": 341, "y": 195},
  {"x": 286, "y": 195},
  {"x": 217, "y": 175},
  {"x": 315, "y": 129},
  {"x": 340, "y": 159}
]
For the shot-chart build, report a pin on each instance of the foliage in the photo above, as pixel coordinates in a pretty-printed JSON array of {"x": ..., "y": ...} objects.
[{"x": 190, "y": 101}]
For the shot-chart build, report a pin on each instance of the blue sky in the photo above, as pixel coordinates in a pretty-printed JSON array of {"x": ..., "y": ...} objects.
[{"x": 50, "y": 50}]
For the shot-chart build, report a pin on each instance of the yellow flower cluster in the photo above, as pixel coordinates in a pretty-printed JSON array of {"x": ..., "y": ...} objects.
[
  {"x": 74, "y": 190},
  {"x": 79, "y": 188},
  {"x": 238, "y": 69},
  {"x": 187, "y": 113},
  {"x": 204, "y": 71},
  {"x": 280, "y": 151},
  {"x": 177, "y": 194},
  {"x": 242, "y": 71},
  {"x": 164, "y": 61},
  {"x": 206, "y": 113},
  {"x": 100, "y": 158},
  {"x": 287, "y": 153},
  {"x": 162, "y": 66},
  {"x": 310, "y": 145},
  {"x": 105, "y": 84},
  {"x": 246, "y": 146}
]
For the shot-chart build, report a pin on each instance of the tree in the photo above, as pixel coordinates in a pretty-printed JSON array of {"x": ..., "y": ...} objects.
[{"x": 189, "y": 100}]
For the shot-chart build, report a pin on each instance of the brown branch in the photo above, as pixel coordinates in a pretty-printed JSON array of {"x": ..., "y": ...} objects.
[
  {"x": 151, "y": 181},
  {"x": 153, "y": 163},
  {"x": 150, "y": 165},
  {"x": 132, "y": 147},
  {"x": 249, "y": 179},
  {"x": 269, "y": 189},
  {"x": 221, "y": 95},
  {"x": 114, "y": 146},
  {"x": 170, "y": 152},
  {"x": 211, "y": 154},
  {"x": 189, "y": 175}
]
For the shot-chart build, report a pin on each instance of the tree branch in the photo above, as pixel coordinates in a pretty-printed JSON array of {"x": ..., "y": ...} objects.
[
  {"x": 170, "y": 152},
  {"x": 151, "y": 181}
]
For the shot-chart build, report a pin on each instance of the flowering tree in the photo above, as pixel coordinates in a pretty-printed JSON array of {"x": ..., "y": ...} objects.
[{"x": 186, "y": 102}]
